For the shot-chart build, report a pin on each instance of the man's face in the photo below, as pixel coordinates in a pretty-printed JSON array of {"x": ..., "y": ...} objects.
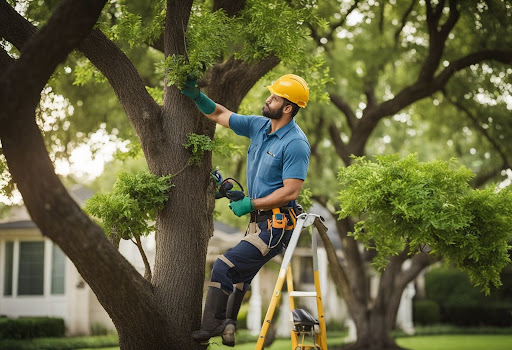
[{"x": 273, "y": 108}]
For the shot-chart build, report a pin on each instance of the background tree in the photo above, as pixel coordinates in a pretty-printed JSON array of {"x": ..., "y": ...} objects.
[
  {"x": 163, "y": 313},
  {"x": 426, "y": 77}
]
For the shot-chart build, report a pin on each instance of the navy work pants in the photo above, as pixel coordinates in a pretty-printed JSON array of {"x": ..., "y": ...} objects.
[{"x": 241, "y": 263}]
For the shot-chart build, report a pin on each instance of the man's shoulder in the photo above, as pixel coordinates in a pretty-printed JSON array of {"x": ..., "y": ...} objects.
[{"x": 297, "y": 134}]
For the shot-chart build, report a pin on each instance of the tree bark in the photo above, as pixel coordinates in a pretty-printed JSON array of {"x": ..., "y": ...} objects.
[{"x": 119, "y": 288}]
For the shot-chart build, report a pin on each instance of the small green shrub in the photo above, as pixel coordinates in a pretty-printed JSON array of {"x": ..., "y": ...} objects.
[
  {"x": 98, "y": 329},
  {"x": 426, "y": 312},
  {"x": 31, "y": 327}
]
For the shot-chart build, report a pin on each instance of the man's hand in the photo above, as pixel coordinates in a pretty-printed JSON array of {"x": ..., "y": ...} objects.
[
  {"x": 242, "y": 207},
  {"x": 191, "y": 90}
]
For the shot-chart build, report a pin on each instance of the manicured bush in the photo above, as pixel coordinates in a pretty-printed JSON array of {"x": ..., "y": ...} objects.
[
  {"x": 60, "y": 343},
  {"x": 499, "y": 315},
  {"x": 31, "y": 327},
  {"x": 426, "y": 312},
  {"x": 464, "y": 305}
]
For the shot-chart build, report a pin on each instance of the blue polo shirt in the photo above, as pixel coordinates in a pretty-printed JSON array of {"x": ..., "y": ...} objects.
[{"x": 271, "y": 158}]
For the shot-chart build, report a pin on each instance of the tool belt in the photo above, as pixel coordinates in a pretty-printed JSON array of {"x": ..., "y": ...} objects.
[{"x": 269, "y": 215}]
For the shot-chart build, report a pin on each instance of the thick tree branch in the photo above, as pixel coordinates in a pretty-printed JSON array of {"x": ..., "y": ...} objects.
[
  {"x": 103, "y": 53},
  {"x": 418, "y": 262},
  {"x": 158, "y": 44},
  {"x": 23, "y": 80},
  {"x": 5, "y": 60},
  {"x": 382, "y": 8},
  {"x": 124, "y": 78},
  {"x": 344, "y": 107},
  {"x": 176, "y": 22},
  {"x": 437, "y": 37},
  {"x": 46, "y": 199},
  {"x": 339, "y": 145},
  {"x": 503, "y": 56},
  {"x": 13, "y": 27},
  {"x": 234, "y": 78},
  {"x": 415, "y": 92},
  {"x": 369, "y": 90},
  {"x": 404, "y": 21}
]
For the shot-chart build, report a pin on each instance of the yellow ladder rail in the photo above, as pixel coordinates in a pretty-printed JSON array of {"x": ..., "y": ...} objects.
[{"x": 320, "y": 339}]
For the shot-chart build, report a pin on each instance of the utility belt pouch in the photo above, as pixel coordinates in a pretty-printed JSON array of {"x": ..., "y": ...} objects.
[
  {"x": 293, "y": 220},
  {"x": 278, "y": 219}
]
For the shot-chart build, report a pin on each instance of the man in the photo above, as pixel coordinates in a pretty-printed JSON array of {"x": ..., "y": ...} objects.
[{"x": 277, "y": 163}]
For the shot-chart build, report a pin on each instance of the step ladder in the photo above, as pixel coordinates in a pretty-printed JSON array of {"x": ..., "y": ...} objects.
[{"x": 304, "y": 325}]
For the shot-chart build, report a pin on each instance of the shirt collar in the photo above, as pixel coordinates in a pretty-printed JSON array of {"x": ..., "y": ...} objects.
[{"x": 282, "y": 131}]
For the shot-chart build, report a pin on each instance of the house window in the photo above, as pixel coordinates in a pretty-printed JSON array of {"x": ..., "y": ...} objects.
[
  {"x": 31, "y": 268},
  {"x": 58, "y": 270},
  {"x": 8, "y": 263}
]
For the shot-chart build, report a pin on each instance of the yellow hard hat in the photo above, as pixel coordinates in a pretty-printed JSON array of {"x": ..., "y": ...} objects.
[{"x": 293, "y": 88}]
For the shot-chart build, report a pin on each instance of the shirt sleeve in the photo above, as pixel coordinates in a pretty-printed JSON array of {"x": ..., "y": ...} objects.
[
  {"x": 296, "y": 160},
  {"x": 241, "y": 124}
]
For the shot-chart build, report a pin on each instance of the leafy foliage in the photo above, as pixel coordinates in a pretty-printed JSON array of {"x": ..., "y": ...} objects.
[
  {"x": 263, "y": 29},
  {"x": 305, "y": 198},
  {"x": 121, "y": 23},
  {"x": 6, "y": 184},
  {"x": 198, "y": 144},
  {"x": 206, "y": 40},
  {"x": 134, "y": 202},
  {"x": 85, "y": 72},
  {"x": 407, "y": 203}
]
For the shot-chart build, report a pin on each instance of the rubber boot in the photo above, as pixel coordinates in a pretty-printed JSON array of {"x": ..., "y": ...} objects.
[
  {"x": 234, "y": 304},
  {"x": 214, "y": 315}
]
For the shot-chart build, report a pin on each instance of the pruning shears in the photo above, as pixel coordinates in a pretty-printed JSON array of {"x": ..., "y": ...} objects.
[{"x": 225, "y": 187}]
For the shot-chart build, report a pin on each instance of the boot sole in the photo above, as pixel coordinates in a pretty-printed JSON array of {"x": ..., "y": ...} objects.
[
  {"x": 228, "y": 336},
  {"x": 201, "y": 336}
]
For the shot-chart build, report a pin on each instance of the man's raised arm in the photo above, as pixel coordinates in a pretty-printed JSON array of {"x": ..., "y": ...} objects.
[{"x": 213, "y": 111}]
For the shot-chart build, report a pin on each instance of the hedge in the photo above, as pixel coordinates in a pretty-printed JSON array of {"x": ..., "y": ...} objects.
[
  {"x": 31, "y": 327},
  {"x": 498, "y": 315},
  {"x": 426, "y": 312},
  {"x": 462, "y": 304}
]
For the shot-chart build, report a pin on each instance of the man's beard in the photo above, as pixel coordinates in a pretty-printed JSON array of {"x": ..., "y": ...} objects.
[{"x": 267, "y": 112}]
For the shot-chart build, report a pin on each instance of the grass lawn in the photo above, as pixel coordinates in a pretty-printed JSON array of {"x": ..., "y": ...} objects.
[
  {"x": 335, "y": 338},
  {"x": 457, "y": 342},
  {"x": 430, "y": 342}
]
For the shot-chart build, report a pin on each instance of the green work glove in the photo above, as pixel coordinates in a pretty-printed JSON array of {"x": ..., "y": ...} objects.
[
  {"x": 191, "y": 90},
  {"x": 242, "y": 207}
]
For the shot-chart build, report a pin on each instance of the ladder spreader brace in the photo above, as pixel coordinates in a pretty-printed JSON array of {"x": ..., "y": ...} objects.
[{"x": 304, "y": 323}]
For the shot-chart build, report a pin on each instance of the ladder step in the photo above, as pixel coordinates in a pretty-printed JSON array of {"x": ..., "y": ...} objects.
[{"x": 302, "y": 294}]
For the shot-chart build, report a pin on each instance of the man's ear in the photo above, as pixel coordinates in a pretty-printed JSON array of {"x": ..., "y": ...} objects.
[{"x": 288, "y": 109}]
